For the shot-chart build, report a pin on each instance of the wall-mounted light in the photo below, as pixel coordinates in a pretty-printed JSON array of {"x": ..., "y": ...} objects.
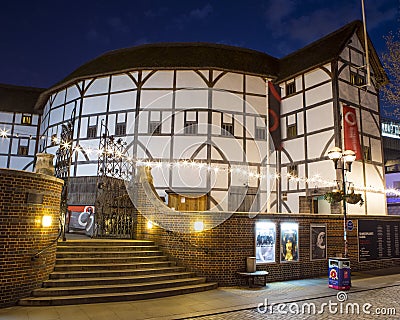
[
  {"x": 149, "y": 225},
  {"x": 199, "y": 226},
  {"x": 46, "y": 221}
]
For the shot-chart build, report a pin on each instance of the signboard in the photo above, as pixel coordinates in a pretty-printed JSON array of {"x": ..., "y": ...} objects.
[
  {"x": 265, "y": 242},
  {"x": 289, "y": 242},
  {"x": 350, "y": 225},
  {"x": 318, "y": 242},
  {"x": 378, "y": 240}
]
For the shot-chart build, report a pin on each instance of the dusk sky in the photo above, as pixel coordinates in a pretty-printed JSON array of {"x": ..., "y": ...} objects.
[{"x": 44, "y": 41}]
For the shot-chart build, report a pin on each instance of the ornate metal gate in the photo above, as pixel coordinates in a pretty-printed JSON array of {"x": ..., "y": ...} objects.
[{"x": 115, "y": 215}]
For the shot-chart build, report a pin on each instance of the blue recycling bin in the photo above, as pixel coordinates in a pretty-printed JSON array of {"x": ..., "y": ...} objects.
[{"x": 339, "y": 273}]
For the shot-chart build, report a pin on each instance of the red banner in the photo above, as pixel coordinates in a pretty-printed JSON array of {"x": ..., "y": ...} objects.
[{"x": 351, "y": 136}]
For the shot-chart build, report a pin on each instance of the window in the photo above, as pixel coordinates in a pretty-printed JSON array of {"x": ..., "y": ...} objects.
[
  {"x": 357, "y": 79},
  {"x": 367, "y": 153},
  {"x": 290, "y": 88},
  {"x": 92, "y": 131},
  {"x": 261, "y": 133},
  {"x": 291, "y": 131},
  {"x": 120, "y": 129},
  {"x": 292, "y": 170},
  {"x": 26, "y": 119},
  {"x": 155, "y": 128},
  {"x": 191, "y": 120},
  {"x": 227, "y": 129},
  {"x": 23, "y": 150}
]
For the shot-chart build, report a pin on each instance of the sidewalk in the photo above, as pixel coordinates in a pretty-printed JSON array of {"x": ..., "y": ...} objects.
[{"x": 221, "y": 300}]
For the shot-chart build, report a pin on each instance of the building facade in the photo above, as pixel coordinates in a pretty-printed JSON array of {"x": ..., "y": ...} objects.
[{"x": 202, "y": 114}]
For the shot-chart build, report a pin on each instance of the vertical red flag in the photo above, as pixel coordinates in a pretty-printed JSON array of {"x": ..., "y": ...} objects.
[
  {"x": 274, "y": 112},
  {"x": 351, "y": 136}
]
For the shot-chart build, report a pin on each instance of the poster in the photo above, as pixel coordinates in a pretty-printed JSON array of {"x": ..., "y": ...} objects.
[
  {"x": 265, "y": 241},
  {"x": 318, "y": 242},
  {"x": 378, "y": 240},
  {"x": 289, "y": 242}
]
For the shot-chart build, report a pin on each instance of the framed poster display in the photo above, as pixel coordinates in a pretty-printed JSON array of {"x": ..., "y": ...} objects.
[
  {"x": 289, "y": 242},
  {"x": 265, "y": 241},
  {"x": 318, "y": 246}
]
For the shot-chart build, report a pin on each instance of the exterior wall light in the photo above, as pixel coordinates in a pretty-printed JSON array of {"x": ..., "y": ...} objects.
[
  {"x": 46, "y": 221},
  {"x": 198, "y": 226},
  {"x": 149, "y": 225}
]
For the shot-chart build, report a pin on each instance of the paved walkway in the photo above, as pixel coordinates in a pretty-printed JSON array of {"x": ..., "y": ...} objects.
[{"x": 222, "y": 303}]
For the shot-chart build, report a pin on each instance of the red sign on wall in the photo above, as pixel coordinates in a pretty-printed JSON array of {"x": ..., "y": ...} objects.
[{"x": 351, "y": 136}]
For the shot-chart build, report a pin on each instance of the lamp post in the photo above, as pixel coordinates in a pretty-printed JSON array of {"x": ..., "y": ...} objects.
[{"x": 343, "y": 162}]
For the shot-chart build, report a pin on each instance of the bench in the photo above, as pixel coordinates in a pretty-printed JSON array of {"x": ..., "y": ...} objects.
[{"x": 250, "y": 277}]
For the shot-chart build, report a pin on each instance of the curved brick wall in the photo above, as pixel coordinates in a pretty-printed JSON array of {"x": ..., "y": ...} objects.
[{"x": 24, "y": 198}]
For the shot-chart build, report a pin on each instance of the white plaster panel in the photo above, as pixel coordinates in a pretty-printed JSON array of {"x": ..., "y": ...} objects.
[
  {"x": 160, "y": 79},
  {"x": 318, "y": 94},
  {"x": 94, "y": 105},
  {"x": 374, "y": 176},
  {"x": 4, "y": 145},
  {"x": 19, "y": 163},
  {"x": 356, "y": 57},
  {"x": 72, "y": 93},
  {"x": 369, "y": 100},
  {"x": 184, "y": 147},
  {"x": 255, "y": 152},
  {"x": 255, "y": 85},
  {"x": 143, "y": 119},
  {"x": 291, "y": 103},
  {"x": 238, "y": 126},
  {"x": 348, "y": 92},
  {"x": 3, "y": 160},
  {"x": 216, "y": 123},
  {"x": 84, "y": 126},
  {"x": 295, "y": 147},
  {"x": 293, "y": 202},
  {"x": 166, "y": 122},
  {"x": 59, "y": 99},
  {"x": 345, "y": 55},
  {"x": 230, "y": 147},
  {"x": 222, "y": 199},
  {"x": 187, "y": 99},
  {"x": 122, "y": 101},
  {"x": 256, "y": 105},
  {"x": 300, "y": 123},
  {"x": 189, "y": 79},
  {"x": 178, "y": 125},
  {"x": 56, "y": 115},
  {"x": 121, "y": 82},
  {"x": 230, "y": 81},
  {"x": 99, "y": 85},
  {"x": 87, "y": 169},
  {"x": 376, "y": 203},
  {"x": 111, "y": 123},
  {"x": 218, "y": 180},
  {"x": 317, "y": 142},
  {"x": 376, "y": 150},
  {"x": 160, "y": 177},
  {"x": 369, "y": 125},
  {"x": 320, "y": 117},
  {"x": 160, "y": 99},
  {"x": 324, "y": 170},
  {"x": 159, "y": 146},
  {"x": 250, "y": 127},
  {"x": 202, "y": 127},
  {"x": 227, "y": 101},
  {"x": 130, "y": 123},
  {"x": 6, "y": 117},
  {"x": 315, "y": 77}
]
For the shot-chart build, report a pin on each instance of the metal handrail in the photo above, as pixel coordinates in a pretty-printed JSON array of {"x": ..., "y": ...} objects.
[{"x": 36, "y": 255}]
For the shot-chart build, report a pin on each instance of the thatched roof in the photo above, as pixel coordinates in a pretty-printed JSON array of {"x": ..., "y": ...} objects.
[{"x": 19, "y": 99}]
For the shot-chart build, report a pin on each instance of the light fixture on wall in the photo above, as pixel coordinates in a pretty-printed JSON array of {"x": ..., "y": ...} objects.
[
  {"x": 149, "y": 225},
  {"x": 199, "y": 226},
  {"x": 47, "y": 221}
]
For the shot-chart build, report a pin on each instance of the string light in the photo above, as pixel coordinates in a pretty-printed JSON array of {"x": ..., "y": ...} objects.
[{"x": 3, "y": 133}]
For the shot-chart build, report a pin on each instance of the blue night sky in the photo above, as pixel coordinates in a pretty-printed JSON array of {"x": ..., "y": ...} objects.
[{"x": 44, "y": 41}]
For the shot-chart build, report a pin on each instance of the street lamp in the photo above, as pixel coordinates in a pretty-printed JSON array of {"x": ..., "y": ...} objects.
[{"x": 343, "y": 162}]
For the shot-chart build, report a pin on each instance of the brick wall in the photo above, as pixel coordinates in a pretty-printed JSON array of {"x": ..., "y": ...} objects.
[
  {"x": 24, "y": 198},
  {"x": 221, "y": 252}
]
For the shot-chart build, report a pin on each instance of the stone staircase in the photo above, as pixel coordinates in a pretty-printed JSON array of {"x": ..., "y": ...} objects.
[{"x": 104, "y": 270}]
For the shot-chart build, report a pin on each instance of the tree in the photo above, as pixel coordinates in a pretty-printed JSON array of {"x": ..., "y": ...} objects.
[{"x": 391, "y": 63}]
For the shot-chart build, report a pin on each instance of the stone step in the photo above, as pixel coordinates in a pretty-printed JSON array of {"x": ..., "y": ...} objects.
[
  {"x": 102, "y": 280},
  {"x": 69, "y": 254},
  {"x": 113, "y": 273},
  {"x": 105, "y": 242},
  {"x": 112, "y": 266},
  {"x": 107, "y": 260},
  {"x": 90, "y": 248},
  {"x": 115, "y": 297},
  {"x": 115, "y": 288}
]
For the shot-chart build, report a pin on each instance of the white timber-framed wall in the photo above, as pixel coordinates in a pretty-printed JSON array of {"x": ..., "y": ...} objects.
[
  {"x": 210, "y": 116},
  {"x": 314, "y": 106}
]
